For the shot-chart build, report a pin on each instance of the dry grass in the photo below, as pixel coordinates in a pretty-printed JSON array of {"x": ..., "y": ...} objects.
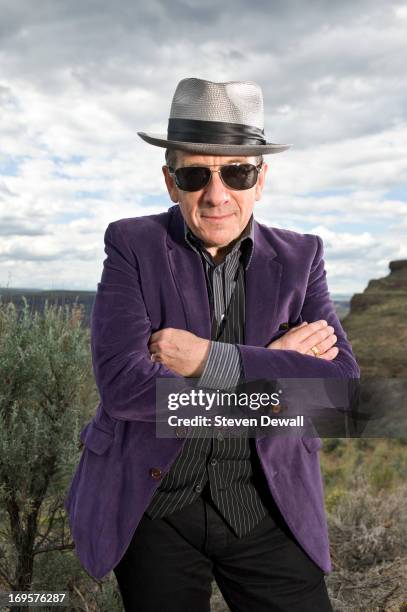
[{"x": 368, "y": 536}]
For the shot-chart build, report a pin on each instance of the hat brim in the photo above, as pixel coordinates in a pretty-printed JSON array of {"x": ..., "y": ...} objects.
[{"x": 159, "y": 140}]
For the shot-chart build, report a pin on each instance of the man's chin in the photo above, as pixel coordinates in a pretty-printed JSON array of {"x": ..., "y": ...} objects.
[{"x": 219, "y": 239}]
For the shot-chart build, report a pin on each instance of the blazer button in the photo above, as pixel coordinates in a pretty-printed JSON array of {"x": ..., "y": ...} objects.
[
  {"x": 155, "y": 473},
  {"x": 181, "y": 431},
  {"x": 198, "y": 488}
]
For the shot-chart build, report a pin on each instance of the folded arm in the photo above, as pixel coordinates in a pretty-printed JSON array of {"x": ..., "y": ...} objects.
[
  {"x": 266, "y": 363},
  {"x": 120, "y": 332},
  {"x": 121, "y": 335}
]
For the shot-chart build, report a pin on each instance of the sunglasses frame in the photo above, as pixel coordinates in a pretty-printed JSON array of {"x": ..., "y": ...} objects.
[{"x": 258, "y": 167}]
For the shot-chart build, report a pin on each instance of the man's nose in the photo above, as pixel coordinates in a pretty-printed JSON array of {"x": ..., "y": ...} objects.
[{"x": 216, "y": 192}]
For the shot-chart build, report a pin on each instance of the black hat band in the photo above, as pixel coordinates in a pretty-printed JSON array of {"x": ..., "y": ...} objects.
[{"x": 214, "y": 132}]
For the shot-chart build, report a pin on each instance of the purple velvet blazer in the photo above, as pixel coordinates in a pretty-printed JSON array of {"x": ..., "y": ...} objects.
[{"x": 152, "y": 280}]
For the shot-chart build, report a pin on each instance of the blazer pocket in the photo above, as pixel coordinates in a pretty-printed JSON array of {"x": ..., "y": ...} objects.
[
  {"x": 95, "y": 439},
  {"x": 312, "y": 444}
]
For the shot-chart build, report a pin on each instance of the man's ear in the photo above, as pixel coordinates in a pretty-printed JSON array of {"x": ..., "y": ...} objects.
[
  {"x": 261, "y": 181},
  {"x": 170, "y": 183}
]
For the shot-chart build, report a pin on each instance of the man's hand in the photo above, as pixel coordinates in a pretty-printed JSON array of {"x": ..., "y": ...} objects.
[
  {"x": 307, "y": 335},
  {"x": 179, "y": 350}
]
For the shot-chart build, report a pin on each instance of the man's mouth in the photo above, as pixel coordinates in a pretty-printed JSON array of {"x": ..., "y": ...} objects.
[{"x": 217, "y": 217}]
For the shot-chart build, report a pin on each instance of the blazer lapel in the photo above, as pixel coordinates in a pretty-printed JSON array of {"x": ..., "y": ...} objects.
[
  {"x": 263, "y": 279},
  {"x": 189, "y": 277}
]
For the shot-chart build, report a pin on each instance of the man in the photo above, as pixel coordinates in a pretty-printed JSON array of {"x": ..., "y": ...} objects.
[{"x": 205, "y": 291}]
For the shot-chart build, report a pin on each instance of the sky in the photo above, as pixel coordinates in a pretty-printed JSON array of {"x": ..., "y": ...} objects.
[{"x": 79, "y": 78}]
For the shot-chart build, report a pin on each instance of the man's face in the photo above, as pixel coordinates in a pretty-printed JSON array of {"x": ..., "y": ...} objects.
[{"x": 216, "y": 214}]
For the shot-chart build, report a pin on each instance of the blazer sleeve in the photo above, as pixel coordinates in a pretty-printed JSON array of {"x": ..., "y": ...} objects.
[
  {"x": 263, "y": 363},
  {"x": 120, "y": 330}
]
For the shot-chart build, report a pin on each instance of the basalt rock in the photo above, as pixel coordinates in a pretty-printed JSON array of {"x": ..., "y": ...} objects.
[{"x": 376, "y": 324}]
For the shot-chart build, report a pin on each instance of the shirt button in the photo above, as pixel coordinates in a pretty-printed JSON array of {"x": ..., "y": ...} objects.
[
  {"x": 198, "y": 488},
  {"x": 213, "y": 461},
  {"x": 155, "y": 473}
]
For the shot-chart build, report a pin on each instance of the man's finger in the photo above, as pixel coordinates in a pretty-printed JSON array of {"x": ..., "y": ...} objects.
[
  {"x": 156, "y": 335},
  {"x": 293, "y": 329},
  {"x": 317, "y": 338},
  {"x": 304, "y": 331},
  {"x": 330, "y": 353},
  {"x": 326, "y": 344}
]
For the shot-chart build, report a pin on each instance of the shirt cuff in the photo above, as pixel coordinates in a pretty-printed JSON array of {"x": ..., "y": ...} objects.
[{"x": 223, "y": 368}]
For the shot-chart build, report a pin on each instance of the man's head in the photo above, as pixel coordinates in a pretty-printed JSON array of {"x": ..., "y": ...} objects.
[
  {"x": 217, "y": 214},
  {"x": 213, "y": 124}
]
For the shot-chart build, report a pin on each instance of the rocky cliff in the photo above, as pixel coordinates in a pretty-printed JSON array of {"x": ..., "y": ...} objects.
[{"x": 376, "y": 324}]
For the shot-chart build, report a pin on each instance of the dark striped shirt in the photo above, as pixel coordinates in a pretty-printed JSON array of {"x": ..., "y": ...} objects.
[
  {"x": 223, "y": 366},
  {"x": 226, "y": 470}
]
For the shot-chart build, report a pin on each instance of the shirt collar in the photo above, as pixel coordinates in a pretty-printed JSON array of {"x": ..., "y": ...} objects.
[{"x": 245, "y": 243}]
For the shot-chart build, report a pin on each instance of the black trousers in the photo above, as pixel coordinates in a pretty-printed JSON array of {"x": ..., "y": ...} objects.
[{"x": 171, "y": 562}]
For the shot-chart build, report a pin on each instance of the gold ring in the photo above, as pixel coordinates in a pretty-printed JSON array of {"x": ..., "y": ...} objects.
[{"x": 315, "y": 350}]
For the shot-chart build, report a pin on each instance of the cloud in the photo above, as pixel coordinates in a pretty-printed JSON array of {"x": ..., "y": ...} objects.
[
  {"x": 14, "y": 227},
  {"x": 79, "y": 79}
]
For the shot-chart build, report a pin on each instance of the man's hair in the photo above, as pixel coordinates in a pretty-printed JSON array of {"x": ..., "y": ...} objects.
[{"x": 171, "y": 158}]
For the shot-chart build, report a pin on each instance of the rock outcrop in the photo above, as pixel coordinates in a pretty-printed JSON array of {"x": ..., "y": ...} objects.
[{"x": 376, "y": 324}]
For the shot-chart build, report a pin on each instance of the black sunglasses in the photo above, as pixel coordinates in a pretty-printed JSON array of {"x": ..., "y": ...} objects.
[{"x": 234, "y": 176}]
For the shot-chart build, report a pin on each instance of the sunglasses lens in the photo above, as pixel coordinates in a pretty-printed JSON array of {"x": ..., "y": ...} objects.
[
  {"x": 192, "y": 178},
  {"x": 240, "y": 177}
]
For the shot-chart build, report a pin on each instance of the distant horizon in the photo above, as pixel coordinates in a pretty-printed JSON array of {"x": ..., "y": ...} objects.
[{"x": 336, "y": 295}]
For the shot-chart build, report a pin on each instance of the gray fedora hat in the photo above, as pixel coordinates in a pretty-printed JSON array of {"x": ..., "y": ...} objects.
[{"x": 216, "y": 118}]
